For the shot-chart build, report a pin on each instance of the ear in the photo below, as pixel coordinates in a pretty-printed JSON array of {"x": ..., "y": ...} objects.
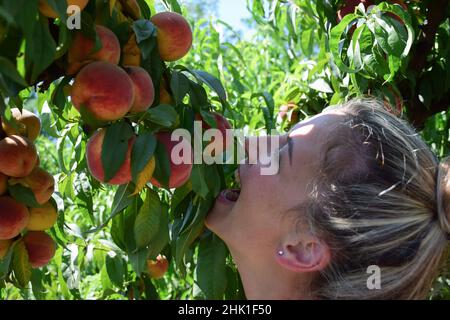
[{"x": 303, "y": 253}]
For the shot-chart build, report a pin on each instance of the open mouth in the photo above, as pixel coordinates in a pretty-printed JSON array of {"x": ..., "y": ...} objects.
[{"x": 230, "y": 195}]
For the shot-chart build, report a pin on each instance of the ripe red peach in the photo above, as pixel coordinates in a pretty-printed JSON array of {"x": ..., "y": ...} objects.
[
  {"x": 3, "y": 184},
  {"x": 222, "y": 125},
  {"x": 95, "y": 164},
  {"x": 48, "y": 11},
  {"x": 28, "y": 124},
  {"x": 14, "y": 218},
  {"x": 82, "y": 51},
  {"x": 42, "y": 218},
  {"x": 174, "y": 35},
  {"x": 41, "y": 183},
  {"x": 103, "y": 90},
  {"x": 164, "y": 96},
  {"x": 144, "y": 92},
  {"x": 158, "y": 268},
  {"x": 18, "y": 156},
  {"x": 179, "y": 173},
  {"x": 40, "y": 247}
]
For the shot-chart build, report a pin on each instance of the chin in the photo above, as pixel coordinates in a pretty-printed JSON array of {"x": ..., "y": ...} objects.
[{"x": 219, "y": 216}]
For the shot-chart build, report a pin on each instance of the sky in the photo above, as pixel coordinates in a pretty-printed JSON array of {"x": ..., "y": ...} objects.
[{"x": 232, "y": 11}]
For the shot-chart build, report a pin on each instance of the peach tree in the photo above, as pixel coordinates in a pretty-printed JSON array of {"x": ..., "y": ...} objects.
[{"x": 122, "y": 205}]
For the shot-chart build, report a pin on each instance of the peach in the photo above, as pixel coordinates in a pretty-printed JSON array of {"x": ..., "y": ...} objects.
[
  {"x": 157, "y": 269},
  {"x": 144, "y": 92},
  {"x": 289, "y": 112},
  {"x": 18, "y": 156},
  {"x": 103, "y": 90},
  {"x": 40, "y": 182},
  {"x": 94, "y": 160},
  {"x": 14, "y": 218},
  {"x": 179, "y": 173},
  {"x": 28, "y": 124},
  {"x": 3, "y": 184},
  {"x": 131, "y": 7},
  {"x": 42, "y": 218},
  {"x": 131, "y": 54},
  {"x": 4, "y": 247},
  {"x": 40, "y": 247},
  {"x": 82, "y": 51},
  {"x": 222, "y": 125},
  {"x": 164, "y": 95},
  {"x": 48, "y": 11},
  {"x": 174, "y": 35}
]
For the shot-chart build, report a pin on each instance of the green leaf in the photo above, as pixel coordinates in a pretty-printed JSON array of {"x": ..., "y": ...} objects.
[
  {"x": 148, "y": 220},
  {"x": 164, "y": 115},
  {"x": 212, "y": 82},
  {"x": 146, "y": 38},
  {"x": 59, "y": 98},
  {"x": 60, "y": 8},
  {"x": 143, "y": 150},
  {"x": 115, "y": 147},
  {"x": 116, "y": 270},
  {"x": 25, "y": 19},
  {"x": 268, "y": 111},
  {"x": 138, "y": 261},
  {"x": 146, "y": 11},
  {"x": 9, "y": 70},
  {"x": 172, "y": 5},
  {"x": 336, "y": 42},
  {"x": 5, "y": 263},
  {"x": 162, "y": 238},
  {"x": 23, "y": 195},
  {"x": 122, "y": 199},
  {"x": 198, "y": 179},
  {"x": 213, "y": 181},
  {"x": 211, "y": 267},
  {"x": 37, "y": 284},
  {"x": 198, "y": 96},
  {"x": 162, "y": 168},
  {"x": 150, "y": 291},
  {"x": 40, "y": 50},
  {"x": 307, "y": 41},
  {"x": 122, "y": 230},
  {"x": 180, "y": 195},
  {"x": 321, "y": 85},
  {"x": 179, "y": 84},
  {"x": 21, "y": 265},
  {"x": 190, "y": 233}
]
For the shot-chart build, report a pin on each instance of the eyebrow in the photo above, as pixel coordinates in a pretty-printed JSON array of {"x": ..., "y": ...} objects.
[{"x": 290, "y": 143}]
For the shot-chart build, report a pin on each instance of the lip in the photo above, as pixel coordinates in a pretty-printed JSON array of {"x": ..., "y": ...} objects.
[{"x": 226, "y": 196}]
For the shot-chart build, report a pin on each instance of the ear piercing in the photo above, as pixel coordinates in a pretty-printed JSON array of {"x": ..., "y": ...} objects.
[{"x": 280, "y": 253}]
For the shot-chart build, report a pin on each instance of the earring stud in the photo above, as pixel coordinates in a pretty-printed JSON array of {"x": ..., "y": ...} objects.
[{"x": 281, "y": 253}]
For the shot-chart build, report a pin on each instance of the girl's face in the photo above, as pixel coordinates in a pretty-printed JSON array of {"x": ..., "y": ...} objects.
[{"x": 255, "y": 224}]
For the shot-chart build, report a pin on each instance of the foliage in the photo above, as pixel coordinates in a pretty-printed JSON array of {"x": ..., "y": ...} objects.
[{"x": 300, "y": 53}]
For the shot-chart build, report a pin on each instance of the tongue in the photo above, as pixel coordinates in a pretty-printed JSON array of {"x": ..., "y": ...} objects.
[{"x": 232, "y": 195}]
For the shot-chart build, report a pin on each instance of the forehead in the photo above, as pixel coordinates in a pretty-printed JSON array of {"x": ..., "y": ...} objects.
[{"x": 319, "y": 126}]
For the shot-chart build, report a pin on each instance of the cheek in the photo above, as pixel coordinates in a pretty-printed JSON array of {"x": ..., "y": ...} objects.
[
  {"x": 260, "y": 192},
  {"x": 254, "y": 219}
]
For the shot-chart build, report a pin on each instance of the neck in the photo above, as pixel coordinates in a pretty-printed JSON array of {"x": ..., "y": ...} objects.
[{"x": 275, "y": 283}]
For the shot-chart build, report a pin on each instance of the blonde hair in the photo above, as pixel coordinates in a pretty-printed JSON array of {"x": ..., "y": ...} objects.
[{"x": 381, "y": 198}]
